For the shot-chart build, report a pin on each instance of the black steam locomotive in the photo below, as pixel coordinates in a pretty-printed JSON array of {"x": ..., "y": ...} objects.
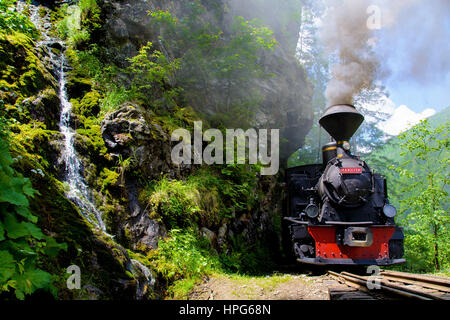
[{"x": 338, "y": 212}]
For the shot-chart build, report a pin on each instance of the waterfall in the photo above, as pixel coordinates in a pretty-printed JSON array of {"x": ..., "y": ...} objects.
[{"x": 78, "y": 191}]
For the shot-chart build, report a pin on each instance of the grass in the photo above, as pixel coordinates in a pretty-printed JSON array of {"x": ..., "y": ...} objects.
[
  {"x": 265, "y": 282},
  {"x": 180, "y": 289}
]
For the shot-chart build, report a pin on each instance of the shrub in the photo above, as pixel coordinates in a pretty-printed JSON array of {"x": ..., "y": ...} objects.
[
  {"x": 11, "y": 20},
  {"x": 184, "y": 255},
  {"x": 175, "y": 202}
]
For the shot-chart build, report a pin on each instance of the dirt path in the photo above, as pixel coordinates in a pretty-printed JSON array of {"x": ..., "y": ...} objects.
[{"x": 273, "y": 287}]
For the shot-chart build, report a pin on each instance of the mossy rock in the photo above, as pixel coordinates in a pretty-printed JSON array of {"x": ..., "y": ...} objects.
[
  {"x": 77, "y": 87},
  {"x": 20, "y": 68},
  {"x": 45, "y": 107},
  {"x": 102, "y": 262},
  {"x": 89, "y": 140},
  {"x": 90, "y": 104},
  {"x": 35, "y": 142}
]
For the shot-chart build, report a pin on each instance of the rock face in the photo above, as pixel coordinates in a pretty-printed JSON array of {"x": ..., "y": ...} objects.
[
  {"x": 287, "y": 94},
  {"x": 145, "y": 232},
  {"x": 127, "y": 133},
  {"x": 130, "y": 132}
]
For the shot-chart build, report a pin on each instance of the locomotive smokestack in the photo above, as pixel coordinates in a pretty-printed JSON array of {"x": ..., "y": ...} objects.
[{"x": 341, "y": 121}]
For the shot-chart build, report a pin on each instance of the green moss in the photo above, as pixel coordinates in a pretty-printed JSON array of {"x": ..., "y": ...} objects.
[
  {"x": 90, "y": 104},
  {"x": 77, "y": 86},
  {"x": 108, "y": 178},
  {"x": 32, "y": 141},
  {"x": 91, "y": 134},
  {"x": 20, "y": 69}
]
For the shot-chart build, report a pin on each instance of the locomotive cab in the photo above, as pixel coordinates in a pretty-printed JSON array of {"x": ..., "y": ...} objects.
[{"x": 338, "y": 212}]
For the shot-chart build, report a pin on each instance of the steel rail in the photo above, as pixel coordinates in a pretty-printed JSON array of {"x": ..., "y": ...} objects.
[
  {"x": 389, "y": 284},
  {"x": 387, "y": 287},
  {"x": 442, "y": 288},
  {"x": 418, "y": 277}
]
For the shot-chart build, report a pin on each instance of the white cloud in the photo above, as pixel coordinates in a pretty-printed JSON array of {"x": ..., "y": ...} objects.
[
  {"x": 398, "y": 119},
  {"x": 403, "y": 119}
]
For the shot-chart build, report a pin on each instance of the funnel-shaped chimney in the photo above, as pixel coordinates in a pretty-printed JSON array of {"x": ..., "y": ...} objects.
[{"x": 341, "y": 121}]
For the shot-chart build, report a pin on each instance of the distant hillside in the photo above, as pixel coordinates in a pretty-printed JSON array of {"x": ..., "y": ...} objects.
[
  {"x": 440, "y": 117},
  {"x": 390, "y": 154}
]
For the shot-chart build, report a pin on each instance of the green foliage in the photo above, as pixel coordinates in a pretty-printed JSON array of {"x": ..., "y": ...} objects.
[
  {"x": 216, "y": 64},
  {"x": 184, "y": 255},
  {"x": 239, "y": 186},
  {"x": 205, "y": 198},
  {"x": 21, "y": 240},
  {"x": 176, "y": 202},
  {"x": 425, "y": 195},
  {"x": 245, "y": 259},
  {"x": 114, "y": 97},
  {"x": 79, "y": 22},
  {"x": 90, "y": 11},
  {"x": 152, "y": 73},
  {"x": 13, "y": 21}
]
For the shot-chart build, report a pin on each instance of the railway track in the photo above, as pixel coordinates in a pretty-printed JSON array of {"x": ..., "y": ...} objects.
[{"x": 389, "y": 285}]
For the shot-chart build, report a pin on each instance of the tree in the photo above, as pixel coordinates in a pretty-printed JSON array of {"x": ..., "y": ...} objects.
[
  {"x": 426, "y": 197},
  {"x": 152, "y": 73},
  {"x": 217, "y": 66},
  {"x": 311, "y": 55}
]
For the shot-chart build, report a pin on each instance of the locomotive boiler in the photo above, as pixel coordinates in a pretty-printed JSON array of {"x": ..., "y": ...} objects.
[{"x": 338, "y": 212}]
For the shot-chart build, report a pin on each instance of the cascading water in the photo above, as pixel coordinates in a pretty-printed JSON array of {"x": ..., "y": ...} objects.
[{"x": 78, "y": 191}]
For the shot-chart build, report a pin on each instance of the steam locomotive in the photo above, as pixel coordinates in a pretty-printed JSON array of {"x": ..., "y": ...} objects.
[{"x": 338, "y": 212}]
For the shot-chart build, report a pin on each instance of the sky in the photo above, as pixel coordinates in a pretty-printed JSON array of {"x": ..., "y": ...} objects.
[
  {"x": 416, "y": 53},
  {"x": 418, "y": 95},
  {"x": 420, "y": 39},
  {"x": 413, "y": 48}
]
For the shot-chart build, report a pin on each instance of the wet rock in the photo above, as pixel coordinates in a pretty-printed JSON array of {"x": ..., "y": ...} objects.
[
  {"x": 212, "y": 237},
  {"x": 45, "y": 107},
  {"x": 221, "y": 235},
  {"x": 144, "y": 232}
]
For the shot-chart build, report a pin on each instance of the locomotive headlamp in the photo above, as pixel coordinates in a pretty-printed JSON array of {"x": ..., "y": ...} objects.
[
  {"x": 346, "y": 146},
  {"x": 389, "y": 211},
  {"x": 312, "y": 211}
]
